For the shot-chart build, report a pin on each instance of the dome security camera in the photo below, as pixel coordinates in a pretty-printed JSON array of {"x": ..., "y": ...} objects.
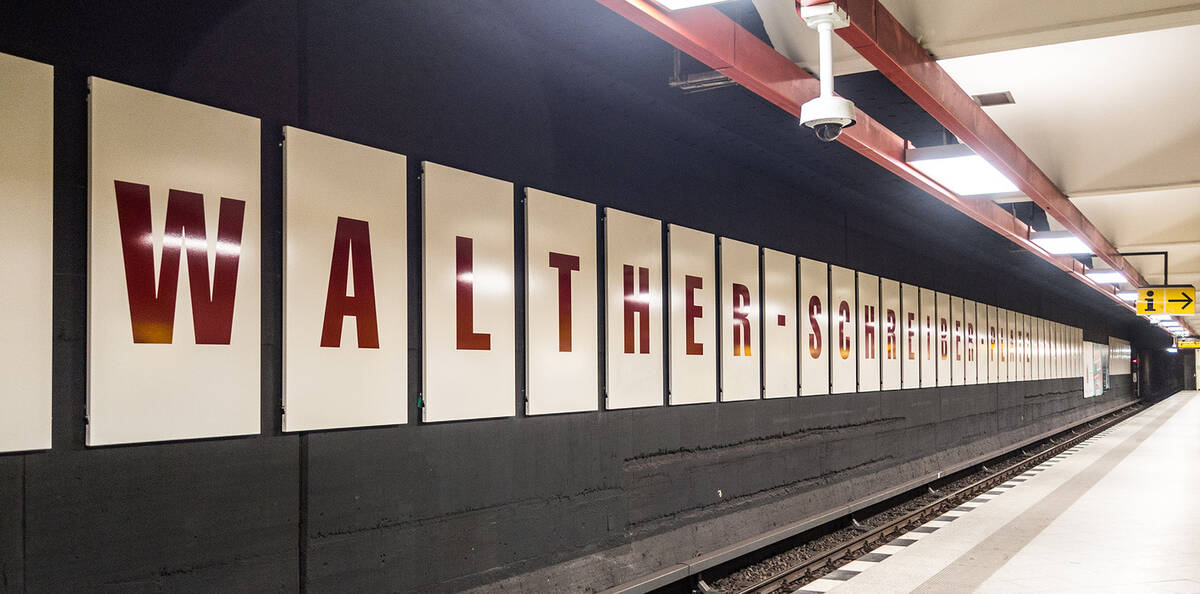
[{"x": 827, "y": 116}]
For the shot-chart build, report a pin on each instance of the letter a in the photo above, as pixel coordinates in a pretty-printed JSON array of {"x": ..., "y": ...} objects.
[{"x": 351, "y": 243}]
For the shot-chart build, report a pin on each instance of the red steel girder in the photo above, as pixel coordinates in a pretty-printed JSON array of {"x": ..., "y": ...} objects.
[
  {"x": 888, "y": 46},
  {"x": 716, "y": 40}
]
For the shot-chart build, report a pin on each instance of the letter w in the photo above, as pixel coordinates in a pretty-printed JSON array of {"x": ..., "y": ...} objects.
[{"x": 151, "y": 310}]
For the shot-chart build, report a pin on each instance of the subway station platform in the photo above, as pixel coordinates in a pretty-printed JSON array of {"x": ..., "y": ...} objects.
[{"x": 1118, "y": 513}]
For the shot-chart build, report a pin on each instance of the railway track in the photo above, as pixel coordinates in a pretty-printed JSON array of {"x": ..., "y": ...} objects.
[{"x": 830, "y": 559}]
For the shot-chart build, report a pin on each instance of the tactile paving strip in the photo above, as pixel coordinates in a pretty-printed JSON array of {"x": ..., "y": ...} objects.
[{"x": 882, "y": 553}]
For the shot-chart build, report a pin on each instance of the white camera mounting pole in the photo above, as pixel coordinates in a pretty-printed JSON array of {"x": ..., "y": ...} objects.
[
  {"x": 825, "y": 18},
  {"x": 828, "y": 113}
]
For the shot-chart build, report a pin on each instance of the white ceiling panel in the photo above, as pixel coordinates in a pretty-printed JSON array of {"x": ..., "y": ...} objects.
[{"x": 953, "y": 28}]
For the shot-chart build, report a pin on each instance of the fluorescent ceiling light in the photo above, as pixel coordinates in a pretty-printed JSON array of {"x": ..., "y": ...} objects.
[
  {"x": 1172, "y": 350},
  {"x": 681, "y": 4},
  {"x": 959, "y": 169},
  {"x": 1158, "y": 317},
  {"x": 1061, "y": 242},
  {"x": 1130, "y": 296},
  {"x": 1107, "y": 276}
]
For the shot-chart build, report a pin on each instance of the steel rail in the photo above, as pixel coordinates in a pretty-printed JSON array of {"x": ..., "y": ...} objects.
[{"x": 836, "y": 556}]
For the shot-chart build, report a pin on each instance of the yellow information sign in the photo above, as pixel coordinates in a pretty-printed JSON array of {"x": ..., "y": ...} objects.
[
  {"x": 1189, "y": 343},
  {"x": 1175, "y": 300}
]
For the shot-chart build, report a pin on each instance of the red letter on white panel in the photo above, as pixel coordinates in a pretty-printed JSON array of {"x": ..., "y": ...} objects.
[
  {"x": 345, "y": 350},
  {"x": 637, "y": 305},
  {"x": 464, "y": 299},
  {"x": 352, "y": 239},
  {"x": 815, "y": 316},
  {"x": 868, "y": 337},
  {"x": 561, "y": 305},
  {"x": 692, "y": 312},
  {"x": 693, "y": 316},
  {"x": 634, "y": 286},
  {"x": 565, "y": 264},
  {"x": 890, "y": 305},
  {"x": 151, "y": 311},
  {"x": 814, "y": 337},
  {"x": 844, "y": 366},
  {"x": 468, "y": 296},
  {"x": 178, "y": 179},
  {"x": 741, "y": 370},
  {"x": 741, "y": 320}
]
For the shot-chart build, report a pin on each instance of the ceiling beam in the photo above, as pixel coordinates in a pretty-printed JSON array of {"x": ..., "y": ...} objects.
[
  {"x": 884, "y": 42},
  {"x": 706, "y": 34}
]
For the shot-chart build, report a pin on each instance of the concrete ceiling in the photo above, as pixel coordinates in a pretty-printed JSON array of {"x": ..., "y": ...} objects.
[
  {"x": 1105, "y": 102},
  {"x": 1113, "y": 122},
  {"x": 953, "y": 28}
]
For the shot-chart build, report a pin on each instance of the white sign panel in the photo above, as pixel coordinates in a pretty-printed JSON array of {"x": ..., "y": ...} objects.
[
  {"x": 1044, "y": 349},
  {"x": 910, "y": 341},
  {"x": 1004, "y": 331},
  {"x": 693, "y": 315},
  {"x": 633, "y": 309},
  {"x": 468, "y": 296},
  {"x": 1033, "y": 349},
  {"x": 1069, "y": 352},
  {"x": 1027, "y": 322},
  {"x": 1056, "y": 333},
  {"x": 842, "y": 327},
  {"x": 1079, "y": 349},
  {"x": 27, "y": 239},
  {"x": 173, "y": 260},
  {"x": 869, "y": 339},
  {"x": 1055, "y": 352},
  {"x": 1119, "y": 356},
  {"x": 993, "y": 356},
  {"x": 929, "y": 346},
  {"x": 815, "y": 342},
  {"x": 943, "y": 346},
  {"x": 1018, "y": 347},
  {"x": 981, "y": 343},
  {"x": 1027, "y": 338},
  {"x": 958, "y": 345},
  {"x": 780, "y": 325},
  {"x": 741, "y": 366},
  {"x": 970, "y": 343},
  {"x": 1002, "y": 345},
  {"x": 890, "y": 310},
  {"x": 562, "y": 305},
  {"x": 345, "y": 327},
  {"x": 1061, "y": 350},
  {"x": 1014, "y": 359},
  {"x": 1091, "y": 371}
]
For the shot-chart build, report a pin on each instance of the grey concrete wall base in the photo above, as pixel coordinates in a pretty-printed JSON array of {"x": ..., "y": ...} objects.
[{"x": 653, "y": 560}]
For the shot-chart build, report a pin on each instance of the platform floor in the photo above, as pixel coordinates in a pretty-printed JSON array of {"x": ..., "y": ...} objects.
[{"x": 1118, "y": 513}]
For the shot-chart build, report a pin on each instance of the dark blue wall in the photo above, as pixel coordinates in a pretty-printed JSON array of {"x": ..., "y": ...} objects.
[{"x": 562, "y": 96}]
